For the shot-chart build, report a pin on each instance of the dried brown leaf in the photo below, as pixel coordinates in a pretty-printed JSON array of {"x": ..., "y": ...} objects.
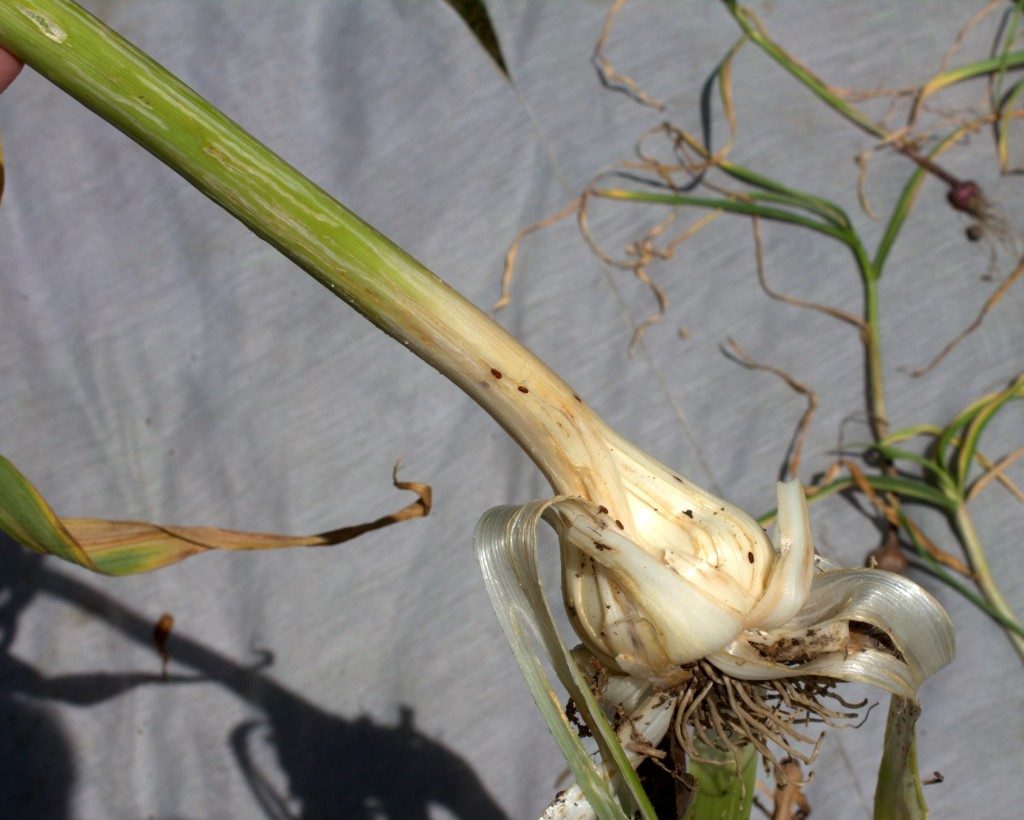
[
  {"x": 739, "y": 355},
  {"x": 611, "y": 78},
  {"x": 828, "y": 310},
  {"x": 508, "y": 273},
  {"x": 997, "y": 472},
  {"x": 1015, "y": 275}
]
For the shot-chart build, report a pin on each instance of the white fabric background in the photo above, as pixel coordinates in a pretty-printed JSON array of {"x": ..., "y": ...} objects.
[{"x": 159, "y": 362}]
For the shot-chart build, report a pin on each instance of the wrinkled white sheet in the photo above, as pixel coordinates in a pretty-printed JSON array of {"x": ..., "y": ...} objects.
[{"x": 160, "y": 362}]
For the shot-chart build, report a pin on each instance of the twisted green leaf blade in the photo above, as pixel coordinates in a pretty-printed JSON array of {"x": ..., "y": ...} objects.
[
  {"x": 129, "y": 547},
  {"x": 929, "y": 465},
  {"x": 647, "y": 723},
  {"x": 911, "y": 488},
  {"x": 976, "y": 426},
  {"x": 27, "y": 518},
  {"x": 1005, "y": 109},
  {"x": 948, "y": 437},
  {"x": 505, "y": 543},
  {"x": 968, "y": 71}
]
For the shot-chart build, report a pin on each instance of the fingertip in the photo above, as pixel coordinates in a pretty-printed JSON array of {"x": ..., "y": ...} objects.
[{"x": 10, "y": 66}]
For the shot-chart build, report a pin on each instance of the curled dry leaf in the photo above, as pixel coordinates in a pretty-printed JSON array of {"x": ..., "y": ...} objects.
[
  {"x": 1012, "y": 278},
  {"x": 734, "y": 351},
  {"x": 128, "y": 547},
  {"x": 611, "y": 78}
]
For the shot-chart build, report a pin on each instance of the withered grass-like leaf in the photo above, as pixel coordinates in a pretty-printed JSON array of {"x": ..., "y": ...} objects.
[
  {"x": 610, "y": 78},
  {"x": 128, "y": 547},
  {"x": 733, "y": 350},
  {"x": 993, "y": 299}
]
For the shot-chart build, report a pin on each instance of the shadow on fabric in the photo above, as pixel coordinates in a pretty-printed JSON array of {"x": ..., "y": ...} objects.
[{"x": 333, "y": 766}]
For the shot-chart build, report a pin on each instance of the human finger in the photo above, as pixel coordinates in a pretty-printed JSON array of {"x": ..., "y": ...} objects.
[{"x": 9, "y": 68}]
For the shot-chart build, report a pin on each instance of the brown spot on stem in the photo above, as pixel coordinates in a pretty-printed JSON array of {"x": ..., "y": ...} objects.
[
  {"x": 619, "y": 524},
  {"x": 217, "y": 153},
  {"x": 601, "y": 546},
  {"x": 602, "y": 509},
  {"x": 750, "y": 557},
  {"x": 688, "y": 513},
  {"x": 495, "y": 372},
  {"x": 523, "y": 389},
  {"x": 577, "y": 398}
]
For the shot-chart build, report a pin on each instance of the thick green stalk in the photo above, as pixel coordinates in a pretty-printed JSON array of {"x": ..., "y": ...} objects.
[
  {"x": 725, "y": 784},
  {"x": 898, "y": 794},
  {"x": 391, "y": 289}
]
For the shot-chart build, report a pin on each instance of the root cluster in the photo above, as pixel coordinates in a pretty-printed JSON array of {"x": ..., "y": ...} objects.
[{"x": 720, "y": 712}]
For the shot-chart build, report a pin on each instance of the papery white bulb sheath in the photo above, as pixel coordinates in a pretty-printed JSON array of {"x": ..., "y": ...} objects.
[{"x": 693, "y": 573}]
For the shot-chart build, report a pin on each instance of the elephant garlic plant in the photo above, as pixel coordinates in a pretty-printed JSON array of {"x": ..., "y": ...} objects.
[{"x": 691, "y": 618}]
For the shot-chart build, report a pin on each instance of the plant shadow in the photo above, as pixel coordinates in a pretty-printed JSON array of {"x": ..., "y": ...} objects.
[{"x": 330, "y": 766}]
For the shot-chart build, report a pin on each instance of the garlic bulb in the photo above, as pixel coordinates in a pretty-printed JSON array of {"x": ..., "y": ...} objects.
[
  {"x": 694, "y": 574},
  {"x": 664, "y": 574},
  {"x": 694, "y": 577}
]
